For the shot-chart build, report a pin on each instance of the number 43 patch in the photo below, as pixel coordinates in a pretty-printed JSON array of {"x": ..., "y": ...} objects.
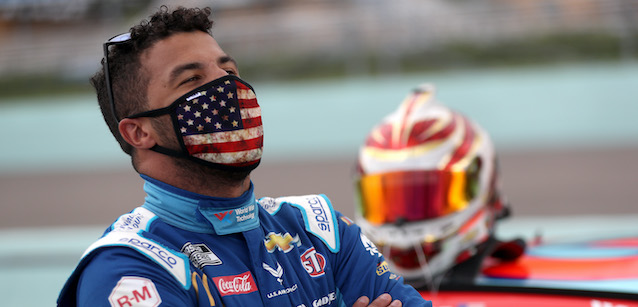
[{"x": 133, "y": 291}]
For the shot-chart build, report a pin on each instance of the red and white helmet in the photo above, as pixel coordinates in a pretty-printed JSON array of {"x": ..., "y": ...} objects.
[{"x": 427, "y": 187}]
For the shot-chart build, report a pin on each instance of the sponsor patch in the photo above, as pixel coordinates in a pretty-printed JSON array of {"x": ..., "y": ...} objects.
[
  {"x": 137, "y": 220},
  {"x": 236, "y": 215},
  {"x": 347, "y": 220},
  {"x": 326, "y": 300},
  {"x": 276, "y": 273},
  {"x": 200, "y": 255},
  {"x": 313, "y": 262},
  {"x": 369, "y": 246},
  {"x": 383, "y": 268},
  {"x": 597, "y": 303},
  {"x": 222, "y": 216},
  {"x": 173, "y": 261},
  {"x": 231, "y": 221},
  {"x": 270, "y": 204},
  {"x": 284, "y": 243},
  {"x": 132, "y": 291},
  {"x": 237, "y": 284},
  {"x": 319, "y": 218},
  {"x": 282, "y": 291}
]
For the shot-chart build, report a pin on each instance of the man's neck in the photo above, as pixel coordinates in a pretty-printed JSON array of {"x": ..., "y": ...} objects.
[
  {"x": 211, "y": 187},
  {"x": 199, "y": 182}
]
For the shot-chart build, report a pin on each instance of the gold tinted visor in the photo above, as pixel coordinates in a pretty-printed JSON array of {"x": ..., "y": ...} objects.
[{"x": 413, "y": 195}]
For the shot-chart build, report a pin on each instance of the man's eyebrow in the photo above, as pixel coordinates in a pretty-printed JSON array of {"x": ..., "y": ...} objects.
[
  {"x": 227, "y": 58},
  {"x": 182, "y": 68},
  {"x": 197, "y": 65}
]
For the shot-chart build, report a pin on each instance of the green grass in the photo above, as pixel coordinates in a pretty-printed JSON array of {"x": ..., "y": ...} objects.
[
  {"x": 40, "y": 85},
  {"x": 541, "y": 50}
]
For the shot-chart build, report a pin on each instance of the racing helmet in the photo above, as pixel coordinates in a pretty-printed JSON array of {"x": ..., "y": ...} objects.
[{"x": 427, "y": 187}]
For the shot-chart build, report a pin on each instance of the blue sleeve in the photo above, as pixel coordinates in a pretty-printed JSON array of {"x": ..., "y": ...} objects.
[
  {"x": 362, "y": 270},
  {"x": 122, "y": 277}
]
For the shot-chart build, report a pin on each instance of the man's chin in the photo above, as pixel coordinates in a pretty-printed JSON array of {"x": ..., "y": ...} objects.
[{"x": 206, "y": 172}]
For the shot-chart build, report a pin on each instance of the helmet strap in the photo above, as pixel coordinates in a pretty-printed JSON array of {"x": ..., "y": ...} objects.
[{"x": 432, "y": 282}]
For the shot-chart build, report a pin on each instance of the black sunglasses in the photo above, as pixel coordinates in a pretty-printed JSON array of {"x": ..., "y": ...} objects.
[{"x": 115, "y": 40}]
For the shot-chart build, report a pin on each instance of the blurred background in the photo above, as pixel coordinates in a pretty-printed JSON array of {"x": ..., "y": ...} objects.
[{"x": 555, "y": 82}]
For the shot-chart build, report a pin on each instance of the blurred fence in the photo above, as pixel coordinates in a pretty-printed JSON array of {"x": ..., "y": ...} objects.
[{"x": 64, "y": 36}]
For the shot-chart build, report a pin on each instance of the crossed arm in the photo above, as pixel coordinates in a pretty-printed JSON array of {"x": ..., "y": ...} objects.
[{"x": 384, "y": 300}]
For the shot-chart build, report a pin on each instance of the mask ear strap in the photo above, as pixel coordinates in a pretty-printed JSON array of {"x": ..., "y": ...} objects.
[
  {"x": 153, "y": 113},
  {"x": 169, "y": 152}
]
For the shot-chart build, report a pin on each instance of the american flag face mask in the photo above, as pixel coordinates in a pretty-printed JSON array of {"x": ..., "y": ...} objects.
[{"x": 217, "y": 124}]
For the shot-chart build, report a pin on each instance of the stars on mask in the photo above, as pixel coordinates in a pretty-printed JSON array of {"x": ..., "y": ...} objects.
[{"x": 215, "y": 109}]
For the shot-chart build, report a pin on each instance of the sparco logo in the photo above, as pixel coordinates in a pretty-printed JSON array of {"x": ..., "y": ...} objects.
[
  {"x": 152, "y": 248},
  {"x": 237, "y": 284},
  {"x": 321, "y": 217}
]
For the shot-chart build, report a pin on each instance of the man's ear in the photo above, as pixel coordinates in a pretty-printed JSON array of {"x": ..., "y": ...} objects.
[{"x": 136, "y": 131}]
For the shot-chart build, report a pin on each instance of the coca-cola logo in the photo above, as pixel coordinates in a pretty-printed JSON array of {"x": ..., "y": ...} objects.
[{"x": 237, "y": 284}]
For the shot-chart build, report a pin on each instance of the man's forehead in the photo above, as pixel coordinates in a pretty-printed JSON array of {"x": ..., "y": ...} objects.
[
  {"x": 182, "y": 48},
  {"x": 186, "y": 40}
]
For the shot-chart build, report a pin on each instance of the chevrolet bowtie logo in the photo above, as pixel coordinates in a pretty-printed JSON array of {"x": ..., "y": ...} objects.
[{"x": 284, "y": 243}]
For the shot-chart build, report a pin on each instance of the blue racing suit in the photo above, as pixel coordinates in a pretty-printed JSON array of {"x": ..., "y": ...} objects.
[{"x": 184, "y": 249}]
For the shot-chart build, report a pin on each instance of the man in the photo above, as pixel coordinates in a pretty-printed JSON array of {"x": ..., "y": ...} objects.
[
  {"x": 174, "y": 101},
  {"x": 430, "y": 195}
]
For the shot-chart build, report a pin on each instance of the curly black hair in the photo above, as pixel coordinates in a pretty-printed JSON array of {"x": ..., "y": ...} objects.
[{"x": 127, "y": 78}]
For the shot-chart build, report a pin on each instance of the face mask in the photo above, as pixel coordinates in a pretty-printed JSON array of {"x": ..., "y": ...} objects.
[{"x": 217, "y": 124}]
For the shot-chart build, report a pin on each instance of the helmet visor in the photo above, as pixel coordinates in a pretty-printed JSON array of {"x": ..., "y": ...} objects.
[{"x": 413, "y": 195}]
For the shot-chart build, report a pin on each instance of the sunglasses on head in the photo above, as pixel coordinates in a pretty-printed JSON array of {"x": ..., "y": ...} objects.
[{"x": 115, "y": 40}]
